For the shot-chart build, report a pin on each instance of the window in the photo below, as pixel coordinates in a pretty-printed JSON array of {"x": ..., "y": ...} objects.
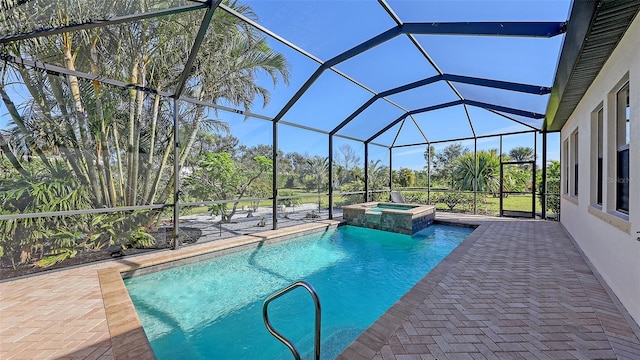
[
  {"x": 599, "y": 154},
  {"x": 574, "y": 160},
  {"x": 623, "y": 115},
  {"x": 565, "y": 161}
]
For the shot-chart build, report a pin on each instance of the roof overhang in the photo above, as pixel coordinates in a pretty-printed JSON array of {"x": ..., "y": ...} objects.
[{"x": 594, "y": 30}]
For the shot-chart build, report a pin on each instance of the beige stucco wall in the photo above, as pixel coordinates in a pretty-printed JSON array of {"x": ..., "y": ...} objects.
[{"x": 609, "y": 241}]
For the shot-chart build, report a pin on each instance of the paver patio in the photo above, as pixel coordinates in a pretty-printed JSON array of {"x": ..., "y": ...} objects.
[{"x": 516, "y": 289}]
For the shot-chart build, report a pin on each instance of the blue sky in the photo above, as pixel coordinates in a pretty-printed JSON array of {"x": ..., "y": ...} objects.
[{"x": 327, "y": 28}]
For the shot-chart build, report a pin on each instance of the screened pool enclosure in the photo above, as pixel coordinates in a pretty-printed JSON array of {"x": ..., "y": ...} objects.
[{"x": 122, "y": 120}]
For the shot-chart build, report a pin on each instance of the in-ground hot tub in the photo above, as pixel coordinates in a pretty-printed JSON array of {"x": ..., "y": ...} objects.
[{"x": 398, "y": 218}]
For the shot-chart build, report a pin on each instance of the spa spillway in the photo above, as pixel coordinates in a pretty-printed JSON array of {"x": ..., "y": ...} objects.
[{"x": 399, "y": 218}]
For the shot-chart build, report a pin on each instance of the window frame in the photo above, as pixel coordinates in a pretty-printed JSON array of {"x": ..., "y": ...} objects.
[
  {"x": 565, "y": 167},
  {"x": 574, "y": 156},
  {"x": 622, "y": 155},
  {"x": 598, "y": 185}
]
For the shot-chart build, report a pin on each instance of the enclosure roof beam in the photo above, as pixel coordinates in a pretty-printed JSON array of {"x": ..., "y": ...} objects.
[
  {"x": 419, "y": 129},
  {"x": 437, "y": 107},
  {"x": 58, "y": 70},
  {"x": 413, "y": 112},
  {"x": 513, "y": 119},
  {"x": 529, "y": 114},
  {"x": 265, "y": 30},
  {"x": 505, "y": 109},
  {"x": 389, "y": 126},
  {"x": 524, "y": 29},
  {"x": 466, "y": 138},
  {"x": 535, "y": 29},
  {"x": 296, "y": 48},
  {"x": 404, "y": 121},
  {"x": 373, "y": 99},
  {"x": 418, "y": 46},
  {"x": 101, "y": 23},
  {"x": 497, "y": 84},
  {"x": 358, "y": 49},
  {"x": 202, "y": 31},
  {"x": 466, "y": 111}
]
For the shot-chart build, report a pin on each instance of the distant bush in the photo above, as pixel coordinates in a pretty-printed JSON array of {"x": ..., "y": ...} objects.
[
  {"x": 289, "y": 202},
  {"x": 553, "y": 186},
  {"x": 453, "y": 199},
  {"x": 415, "y": 197}
]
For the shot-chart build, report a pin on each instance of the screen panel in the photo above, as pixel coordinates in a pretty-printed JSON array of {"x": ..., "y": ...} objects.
[{"x": 391, "y": 64}]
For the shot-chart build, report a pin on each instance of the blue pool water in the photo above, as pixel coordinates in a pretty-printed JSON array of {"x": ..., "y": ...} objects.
[
  {"x": 378, "y": 208},
  {"x": 213, "y": 309}
]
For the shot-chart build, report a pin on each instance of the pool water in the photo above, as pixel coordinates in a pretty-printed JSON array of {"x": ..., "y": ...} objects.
[
  {"x": 378, "y": 208},
  {"x": 213, "y": 309}
]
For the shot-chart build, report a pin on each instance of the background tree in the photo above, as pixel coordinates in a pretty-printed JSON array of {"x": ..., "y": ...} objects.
[
  {"x": 553, "y": 186},
  {"x": 219, "y": 177},
  {"x": 346, "y": 158},
  {"x": 444, "y": 163},
  {"x": 298, "y": 168},
  {"x": 404, "y": 177},
  {"x": 522, "y": 153},
  {"x": 429, "y": 156},
  {"x": 319, "y": 169},
  {"x": 378, "y": 179}
]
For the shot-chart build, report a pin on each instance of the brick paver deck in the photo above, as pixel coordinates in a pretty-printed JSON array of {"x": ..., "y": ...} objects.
[{"x": 512, "y": 290}]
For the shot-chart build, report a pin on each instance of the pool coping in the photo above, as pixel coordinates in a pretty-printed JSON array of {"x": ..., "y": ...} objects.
[{"x": 128, "y": 339}]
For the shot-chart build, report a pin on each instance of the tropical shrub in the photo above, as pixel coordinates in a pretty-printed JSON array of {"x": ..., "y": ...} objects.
[
  {"x": 487, "y": 172},
  {"x": 453, "y": 199},
  {"x": 553, "y": 186},
  {"x": 41, "y": 189},
  {"x": 415, "y": 197}
]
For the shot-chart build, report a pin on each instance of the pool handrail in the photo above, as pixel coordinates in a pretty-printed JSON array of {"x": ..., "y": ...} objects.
[{"x": 280, "y": 337}]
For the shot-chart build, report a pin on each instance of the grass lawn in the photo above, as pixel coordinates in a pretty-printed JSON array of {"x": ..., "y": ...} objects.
[
  {"x": 490, "y": 205},
  {"x": 487, "y": 204},
  {"x": 308, "y": 198}
]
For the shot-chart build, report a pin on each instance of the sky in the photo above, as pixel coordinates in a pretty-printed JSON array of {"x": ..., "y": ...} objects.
[{"x": 327, "y": 28}]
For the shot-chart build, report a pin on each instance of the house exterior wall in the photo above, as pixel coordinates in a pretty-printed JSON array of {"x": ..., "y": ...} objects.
[{"x": 609, "y": 238}]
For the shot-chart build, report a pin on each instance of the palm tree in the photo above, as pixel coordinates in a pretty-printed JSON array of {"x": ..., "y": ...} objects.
[
  {"x": 118, "y": 143},
  {"x": 487, "y": 172},
  {"x": 522, "y": 153},
  {"x": 318, "y": 166},
  {"x": 378, "y": 177}
]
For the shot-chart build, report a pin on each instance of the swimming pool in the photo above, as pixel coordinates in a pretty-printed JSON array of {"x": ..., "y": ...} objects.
[{"x": 212, "y": 309}]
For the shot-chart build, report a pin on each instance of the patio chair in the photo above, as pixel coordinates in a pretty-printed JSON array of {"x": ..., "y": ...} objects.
[{"x": 396, "y": 197}]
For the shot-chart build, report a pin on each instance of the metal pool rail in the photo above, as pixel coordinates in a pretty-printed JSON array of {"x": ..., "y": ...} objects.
[{"x": 277, "y": 335}]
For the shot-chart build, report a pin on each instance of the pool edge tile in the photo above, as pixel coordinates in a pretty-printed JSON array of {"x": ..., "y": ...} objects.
[{"x": 125, "y": 329}]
